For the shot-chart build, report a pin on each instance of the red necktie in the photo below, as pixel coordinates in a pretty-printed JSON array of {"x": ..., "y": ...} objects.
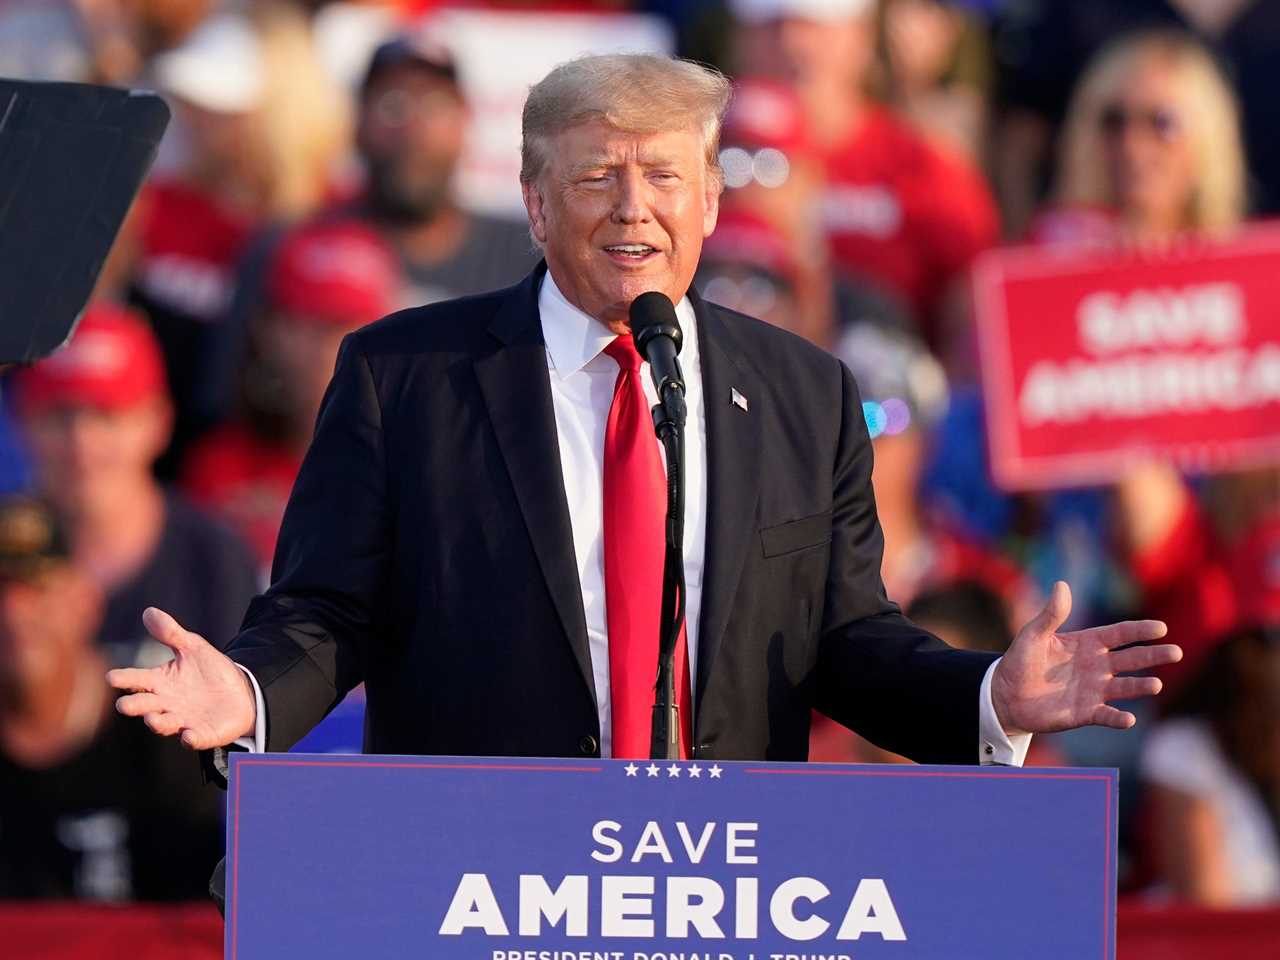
[{"x": 635, "y": 510}]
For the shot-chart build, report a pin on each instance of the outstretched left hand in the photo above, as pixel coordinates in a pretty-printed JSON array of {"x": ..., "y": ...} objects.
[{"x": 1050, "y": 681}]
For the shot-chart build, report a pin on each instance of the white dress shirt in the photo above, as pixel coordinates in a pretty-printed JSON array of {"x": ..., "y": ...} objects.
[{"x": 582, "y": 379}]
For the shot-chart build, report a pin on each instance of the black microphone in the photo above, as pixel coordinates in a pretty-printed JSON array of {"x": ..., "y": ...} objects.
[{"x": 656, "y": 333}]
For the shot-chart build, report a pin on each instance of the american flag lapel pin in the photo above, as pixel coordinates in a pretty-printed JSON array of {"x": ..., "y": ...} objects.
[{"x": 738, "y": 398}]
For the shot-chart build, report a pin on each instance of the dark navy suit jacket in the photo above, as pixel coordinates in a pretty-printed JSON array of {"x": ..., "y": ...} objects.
[{"x": 426, "y": 550}]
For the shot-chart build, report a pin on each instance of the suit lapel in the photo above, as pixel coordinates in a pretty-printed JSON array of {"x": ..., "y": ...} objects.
[
  {"x": 514, "y": 381},
  {"x": 733, "y": 477}
]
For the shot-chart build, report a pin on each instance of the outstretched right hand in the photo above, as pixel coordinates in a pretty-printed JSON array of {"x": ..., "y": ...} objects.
[{"x": 200, "y": 694}]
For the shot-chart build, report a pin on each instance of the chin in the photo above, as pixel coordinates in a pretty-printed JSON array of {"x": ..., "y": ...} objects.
[
  {"x": 618, "y": 296},
  {"x": 632, "y": 288}
]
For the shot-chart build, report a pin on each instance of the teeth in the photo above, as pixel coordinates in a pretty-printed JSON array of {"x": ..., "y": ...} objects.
[{"x": 631, "y": 249}]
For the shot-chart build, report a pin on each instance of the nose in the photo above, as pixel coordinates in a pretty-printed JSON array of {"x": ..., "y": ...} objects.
[
  {"x": 80, "y": 429},
  {"x": 633, "y": 202},
  {"x": 1139, "y": 147}
]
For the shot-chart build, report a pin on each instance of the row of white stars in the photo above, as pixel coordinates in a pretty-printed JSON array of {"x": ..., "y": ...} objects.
[{"x": 694, "y": 771}]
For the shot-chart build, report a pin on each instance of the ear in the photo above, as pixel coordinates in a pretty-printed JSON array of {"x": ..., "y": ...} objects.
[
  {"x": 159, "y": 414},
  {"x": 534, "y": 206},
  {"x": 711, "y": 206}
]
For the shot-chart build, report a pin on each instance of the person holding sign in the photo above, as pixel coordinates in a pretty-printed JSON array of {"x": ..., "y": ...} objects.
[
  {"x": 475, "y": 529},
  {"x": 1152, "y": 158}
]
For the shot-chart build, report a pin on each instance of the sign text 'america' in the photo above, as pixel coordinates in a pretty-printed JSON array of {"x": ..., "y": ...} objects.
[
  {"x": 623, "y": 905},
  {"x": 1094, "y": 360}
]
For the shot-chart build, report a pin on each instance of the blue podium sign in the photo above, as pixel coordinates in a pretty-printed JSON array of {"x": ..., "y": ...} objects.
[{"x": 491, "y": 859}]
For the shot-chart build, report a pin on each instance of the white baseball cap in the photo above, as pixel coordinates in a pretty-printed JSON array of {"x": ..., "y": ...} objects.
[
  {"x": 758, "y": 11},
  {"x": 218, "y": 68}
]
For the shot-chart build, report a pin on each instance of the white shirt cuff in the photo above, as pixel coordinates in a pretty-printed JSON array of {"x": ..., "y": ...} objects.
[
  {"x": 995, "y": 747},
  {"x": 258, "y": 742}
]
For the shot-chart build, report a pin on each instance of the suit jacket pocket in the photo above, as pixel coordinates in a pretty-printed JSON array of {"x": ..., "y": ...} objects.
[{"x": 795, "y": 535}]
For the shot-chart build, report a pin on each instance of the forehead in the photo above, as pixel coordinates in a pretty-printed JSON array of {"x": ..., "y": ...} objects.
[
  {"x": 1149, "y": 77},
  {"x": 64, "y": 411},
  {"x": 599, "y": 142}
]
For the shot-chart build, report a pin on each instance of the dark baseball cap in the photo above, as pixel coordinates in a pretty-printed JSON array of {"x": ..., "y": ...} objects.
[
  {"x": 414, "y": 49},
  {"x": 31, "y": 540}
]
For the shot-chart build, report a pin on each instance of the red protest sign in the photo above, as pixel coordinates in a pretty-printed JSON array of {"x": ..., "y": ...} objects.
[{"x": 1092, "y": 360}]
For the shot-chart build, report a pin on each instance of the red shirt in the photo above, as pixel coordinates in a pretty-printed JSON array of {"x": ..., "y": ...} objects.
[
  {"x": 244, "y": 481},
  {"x": 1186, "y": 581},
  {"x": 904, "y": 212}
]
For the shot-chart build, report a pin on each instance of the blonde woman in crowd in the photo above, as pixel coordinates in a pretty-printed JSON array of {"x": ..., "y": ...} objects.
[
  {"x": 1152, "y": 157},
  {"x": 1151, "y": 149}
]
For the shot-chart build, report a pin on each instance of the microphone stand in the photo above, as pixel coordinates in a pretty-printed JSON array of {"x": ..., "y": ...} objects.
[{"x": 668, "y": 423}]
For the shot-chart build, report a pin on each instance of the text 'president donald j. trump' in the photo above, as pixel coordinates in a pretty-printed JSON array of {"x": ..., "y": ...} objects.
[{"x": 477, "y": 530}]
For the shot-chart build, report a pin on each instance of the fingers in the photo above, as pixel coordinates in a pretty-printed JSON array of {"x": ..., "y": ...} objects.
[
  {"x": 1105, "y": 716},
  {"x": 168, "y": 724},
  {"x": 1122, "y": 634},
  {"x": 1055, "y": 612},
  {"x": 165, "y": 724},
  {"x": 133, "y": 678},
  {"x": 167, "y": 630},
  {"x": 194, "y": 740},
  {"x": 1128, "y": 688},
  {"x": 140, "y": 704},
  {"x": 1143, "y": 658}
]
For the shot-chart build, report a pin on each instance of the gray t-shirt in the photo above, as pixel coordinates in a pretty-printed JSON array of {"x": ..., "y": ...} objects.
[{"x": 494, "y": 254}]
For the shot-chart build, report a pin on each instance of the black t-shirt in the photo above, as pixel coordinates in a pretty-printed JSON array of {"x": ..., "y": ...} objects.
[
  {"x": 200, "y": 572},
  {"x": 129, "y": 816},
  {"x": 124, "y": 818}
]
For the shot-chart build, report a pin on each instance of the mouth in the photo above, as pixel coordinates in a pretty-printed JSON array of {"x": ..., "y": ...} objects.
[{"x": 630, "y": 253}]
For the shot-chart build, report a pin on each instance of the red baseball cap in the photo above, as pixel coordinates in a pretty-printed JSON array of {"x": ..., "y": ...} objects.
[
  {"x": 747, "y": 238},
  {"x": 338, "y": 273},
  {"x": 765, "y": 113},
  {"x": 112, "y": 361}
]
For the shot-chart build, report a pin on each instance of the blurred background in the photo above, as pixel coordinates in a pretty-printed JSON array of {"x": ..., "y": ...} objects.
[{"x": 903, "y": 179}]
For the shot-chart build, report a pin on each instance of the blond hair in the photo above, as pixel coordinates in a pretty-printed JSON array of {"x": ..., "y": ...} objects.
[
  {"x": 636, "y": 92},
  {"x": 305, "y": 118},
  {"x": 1208, "y": 109}
]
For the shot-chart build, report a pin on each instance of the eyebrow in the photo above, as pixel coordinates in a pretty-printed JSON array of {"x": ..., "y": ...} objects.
[
  {"x": 601, "y": 160},
  {"x": 590, "y": 163}
]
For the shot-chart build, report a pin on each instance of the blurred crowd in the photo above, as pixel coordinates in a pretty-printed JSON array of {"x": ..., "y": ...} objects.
[{"x": 309, "y": 184}]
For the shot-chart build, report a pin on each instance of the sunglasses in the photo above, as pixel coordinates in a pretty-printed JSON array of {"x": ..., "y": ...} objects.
[
  {"x": 767, "y": 167},
  {"x": 1162, "y": 122}
]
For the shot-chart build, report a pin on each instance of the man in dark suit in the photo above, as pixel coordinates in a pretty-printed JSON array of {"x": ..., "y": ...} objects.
[{"x": 473, "y": 531}]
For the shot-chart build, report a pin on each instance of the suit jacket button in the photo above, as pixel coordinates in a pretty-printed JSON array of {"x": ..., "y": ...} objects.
[{"x": 588, "y": 746}]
